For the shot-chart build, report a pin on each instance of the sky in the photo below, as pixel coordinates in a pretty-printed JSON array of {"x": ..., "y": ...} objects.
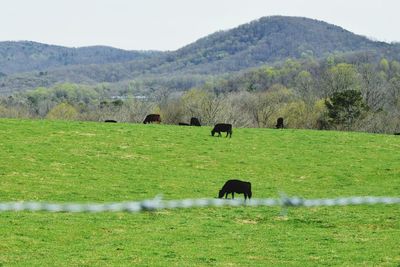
[{"x": 172, "y": 24}]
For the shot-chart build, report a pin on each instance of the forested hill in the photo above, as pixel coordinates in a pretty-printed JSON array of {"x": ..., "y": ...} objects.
[
  {"x": 272, "y": 39},
  {"x": 25, "y": 56},
  {"x": 264, "y": 41}
]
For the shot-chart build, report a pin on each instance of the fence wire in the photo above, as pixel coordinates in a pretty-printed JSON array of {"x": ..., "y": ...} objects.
[{"x": 159, "y": 204}]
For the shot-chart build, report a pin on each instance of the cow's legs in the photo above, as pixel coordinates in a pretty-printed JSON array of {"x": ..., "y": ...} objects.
[{"x": 233, "y": 195}]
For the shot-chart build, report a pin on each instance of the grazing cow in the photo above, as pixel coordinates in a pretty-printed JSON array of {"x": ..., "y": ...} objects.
[
  {"x": 236, "y": 186},
  {"x": 397, "y": 133},
  {"x": 183, "y": 124},
  {"x": 114, "y": 121},
  {"x": 194, "y": 122},
  {"x": 152, "y": 118},
  {"x": 222, "y": 127},
  {"x": 279, "y": 123}
]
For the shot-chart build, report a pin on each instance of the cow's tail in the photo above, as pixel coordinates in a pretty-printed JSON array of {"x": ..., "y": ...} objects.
[{"x": 250, "y": 193}]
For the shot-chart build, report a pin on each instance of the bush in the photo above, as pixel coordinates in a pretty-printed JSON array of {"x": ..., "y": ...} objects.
[{"x": 62, "y": 111}]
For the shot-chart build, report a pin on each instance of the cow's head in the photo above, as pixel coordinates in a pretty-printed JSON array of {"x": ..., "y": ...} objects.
[{"x": 220, "y": 194}]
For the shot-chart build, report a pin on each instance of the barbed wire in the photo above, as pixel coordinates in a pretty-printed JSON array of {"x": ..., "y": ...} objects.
[{"x": 159, "y": 204}]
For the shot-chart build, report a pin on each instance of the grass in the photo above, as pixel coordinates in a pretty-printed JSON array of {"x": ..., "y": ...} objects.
[{"x": 88, "y": 162}]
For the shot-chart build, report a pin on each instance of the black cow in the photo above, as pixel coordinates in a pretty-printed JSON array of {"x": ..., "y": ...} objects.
[
  {"x": 152, "y": 118},
  {"x": 279, "y": 123},
  {"x": 194, "y": 122},
  {"x": 222, "y": 127},
  {"x": 113, "y": 121},
  {"x": 397, "y": 133},
  {"x": 236, "y": 186},
  {"x": 183, "y": 124}
]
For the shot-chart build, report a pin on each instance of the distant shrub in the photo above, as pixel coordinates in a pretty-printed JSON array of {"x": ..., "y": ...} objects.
[{"x": 62, "y": 111}]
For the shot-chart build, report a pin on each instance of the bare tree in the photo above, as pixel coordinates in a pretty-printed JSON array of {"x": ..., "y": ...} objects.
[
  {"x": 269, "y": 103},
  {"x": 373, "y": 86},
  {"x": 202, "y": 104},
  {"x": 172, "y": 111},
  {"x": 235, "y": 109}
]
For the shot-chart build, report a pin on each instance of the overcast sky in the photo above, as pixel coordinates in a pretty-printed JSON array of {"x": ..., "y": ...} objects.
[{"x": 171, "y": 24}]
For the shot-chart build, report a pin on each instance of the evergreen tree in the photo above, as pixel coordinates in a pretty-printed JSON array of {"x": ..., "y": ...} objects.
[{"x": 345, "y": 107}]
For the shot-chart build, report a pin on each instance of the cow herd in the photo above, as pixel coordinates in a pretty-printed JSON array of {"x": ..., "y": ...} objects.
[
  {"x": 218, "y": 128},
  {"x": 231, "y": 186}
]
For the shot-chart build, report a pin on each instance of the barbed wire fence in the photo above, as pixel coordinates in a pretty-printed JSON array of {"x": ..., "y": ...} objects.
[{"x": 158, "y": 204}]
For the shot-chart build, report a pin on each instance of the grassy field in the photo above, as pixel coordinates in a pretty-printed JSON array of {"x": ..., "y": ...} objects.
[{"x": 98, "y": 162}]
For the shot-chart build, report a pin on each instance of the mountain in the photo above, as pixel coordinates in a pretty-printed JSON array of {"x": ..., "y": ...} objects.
[
  {"x": 25, "y": 56},
  {"x": 272, "y": 39},
  {"x": 264, "y": 41}
]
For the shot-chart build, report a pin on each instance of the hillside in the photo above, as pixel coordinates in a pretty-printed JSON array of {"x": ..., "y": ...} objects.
[
  {"x": 272, "y": 39},
  {"x": 25, "y": 56},
  {"x": 81, "y": 162},
  {"x": 264, "y": 41}
]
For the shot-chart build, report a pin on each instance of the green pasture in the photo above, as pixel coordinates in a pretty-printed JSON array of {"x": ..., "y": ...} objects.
[{"x": 97, "y": 162}]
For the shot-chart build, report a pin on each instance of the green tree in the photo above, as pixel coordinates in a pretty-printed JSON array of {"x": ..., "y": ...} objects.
[
  {"x": 345, "y": 107},
  {"x": 62, "y": 111},
  {"x": 394, "y": 68},
  {"x": 384, "y": 65},
  {"x": 340, "y": 78}
]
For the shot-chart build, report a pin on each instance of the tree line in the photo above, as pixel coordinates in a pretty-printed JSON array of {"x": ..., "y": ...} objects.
[{"x": 334, "y": 93}]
